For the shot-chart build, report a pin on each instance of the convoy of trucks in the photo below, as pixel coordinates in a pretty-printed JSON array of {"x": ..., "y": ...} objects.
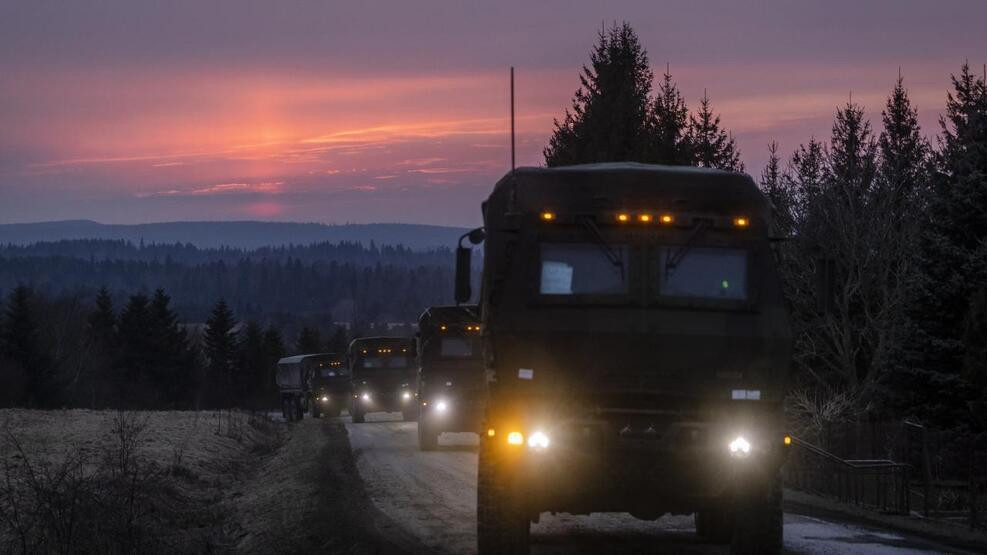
[{"x": 629, "y": 353}]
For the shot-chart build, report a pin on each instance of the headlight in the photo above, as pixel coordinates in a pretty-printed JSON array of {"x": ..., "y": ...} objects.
[
  {"x": 441, "y": 406},
  {"x": 538, "y": 440},
  {"x": 740, "y": 447},
  {"x": 515, "y": 438},
  {"x": 406, "y": 396},
  {"x": 325, "y": 398},
  {"x": 365, "y": 396}
]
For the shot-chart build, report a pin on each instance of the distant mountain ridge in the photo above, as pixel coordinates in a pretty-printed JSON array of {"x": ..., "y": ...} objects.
[{"x": 236, "y": 234}]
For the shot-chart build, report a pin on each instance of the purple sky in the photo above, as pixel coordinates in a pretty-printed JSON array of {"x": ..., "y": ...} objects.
[{"x": 124, "y": 111}]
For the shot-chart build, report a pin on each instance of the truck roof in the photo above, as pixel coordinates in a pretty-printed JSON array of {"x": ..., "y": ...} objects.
[
  {"x": 627, "y": 185},
  {"x": 297, "y": 359},
  {"x": 449, "y": 314}
]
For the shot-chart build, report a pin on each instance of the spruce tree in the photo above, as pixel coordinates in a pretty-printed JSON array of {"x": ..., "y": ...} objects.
[
  {"x": 102, "y": 336},
  {"x": 952, "y": 259},
  {"x": 608, "y": 118},
  {"x": 174, "y": 361},
  {"x": 274, "y": 350},
  {"x": 21, "y": 343},
  {"x": 710, "y": 145},
  {"x": 773, "y": 186},
  {"x": 309, "y": 341},
  {"x": 903, "y": 151},
  {"x": 137, "y": 352},
  {"x": 253, "y": 362},
  {"x": 669, "y": 126},
  {"x": 220, "y": 351}
]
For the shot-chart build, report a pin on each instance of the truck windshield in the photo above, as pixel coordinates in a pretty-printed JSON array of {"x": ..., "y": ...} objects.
[
  {"x": 707, "y": 273},
  {"x": 582, "y": 269},
  {"x": 455, "y": 347},
  {"x": 385, "y": 362}
]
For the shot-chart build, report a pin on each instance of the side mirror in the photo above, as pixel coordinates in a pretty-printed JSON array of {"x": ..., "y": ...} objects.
[
  {"x": 826, "y": 284},
  {"x": 464, "y": 264},
  {"x": 464, "y": 261}
]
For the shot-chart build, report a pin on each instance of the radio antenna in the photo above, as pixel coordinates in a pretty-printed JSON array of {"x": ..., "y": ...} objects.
[{"x": 512, "y": 119}]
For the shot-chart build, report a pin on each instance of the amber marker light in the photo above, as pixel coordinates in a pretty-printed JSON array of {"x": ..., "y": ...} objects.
[
  {"x": 515, "y": 438},
  {"x": 623, "y": 218},
  {"x": 442, "y": 327},
  {"x": 788, "y": 440},
  {"x": 644, "y": 218},
  {"x": 548, "y": 216},
  {"x": 667, "y": 219},
  {"x": 491, "y": 432},
  {"x": 741, "y": 221}
]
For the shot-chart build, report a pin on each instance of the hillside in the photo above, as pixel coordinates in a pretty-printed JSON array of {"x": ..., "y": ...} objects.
[{"x": 242, "y": 234}]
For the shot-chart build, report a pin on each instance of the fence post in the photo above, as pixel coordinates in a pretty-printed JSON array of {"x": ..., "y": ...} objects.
[{"x": 926, "y": 473}]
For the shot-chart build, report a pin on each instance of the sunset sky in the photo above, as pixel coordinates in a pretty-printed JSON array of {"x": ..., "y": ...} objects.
[{"x": 362, "y": 111}]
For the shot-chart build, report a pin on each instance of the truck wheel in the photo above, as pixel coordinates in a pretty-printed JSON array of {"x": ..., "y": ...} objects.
[
  {"x": 427, "y": 439},
  {"x": 334, "y": 411},
  {"x": 502, "y": 524},
  {"x": 758, "y": 524},
  {"x": 298, "y": 409},
  {"x": 715, "y": 524},
  {"x": 358, "y": 417},
  {"x": 315, "y": 409},
  {"x": 408, "y": 415}
]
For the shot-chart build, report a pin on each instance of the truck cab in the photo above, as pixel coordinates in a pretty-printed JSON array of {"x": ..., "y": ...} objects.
[
  {"x": 450, "y": 373},
  {"x": 636, "y": 348},
  {"x": 382, "y": 377},
  {"x": 330, "y": 384}
]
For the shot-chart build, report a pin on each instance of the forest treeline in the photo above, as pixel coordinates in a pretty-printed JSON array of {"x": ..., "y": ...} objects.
[
  {"x": 899, "y": 221},
  {"x": 72, "y": 351},
  {"x": 341, "y": 281}
]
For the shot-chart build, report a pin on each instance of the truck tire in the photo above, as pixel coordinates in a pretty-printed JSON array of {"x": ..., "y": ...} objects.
[
  {"x": 315, "y": 409},
  {"x": 758, "y": 524},
  {"x": 502, "y": 524},
  {"x": 715, "y": 524},
  {"x": 358, "y": 417},
  {"x": 334, "y": 411},
  {"x": 298, "y": 409},
  {"x": 428, "y": 440},
  {"x": 408, "y": 415}
]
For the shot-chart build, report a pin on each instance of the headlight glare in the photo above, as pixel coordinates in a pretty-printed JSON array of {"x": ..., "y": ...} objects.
[
  {"x": 515, "y": 438},
  {"x": 325, "y": 398},
  {"x": 365, "y": 396},
  {"x": 538, "y": 440},
  {"x": 740, "y": 447},
  {"x": 441, "y": 406}
]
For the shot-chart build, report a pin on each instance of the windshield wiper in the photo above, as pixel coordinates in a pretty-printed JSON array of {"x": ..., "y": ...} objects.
[
  {"x": 680, "y": 253},
  {"x": 608, "y": 251}
]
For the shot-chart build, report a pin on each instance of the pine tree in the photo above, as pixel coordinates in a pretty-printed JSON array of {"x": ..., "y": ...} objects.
[
  {"x": 20, "y": 343},
  {"x": 669, "y": 126},
  {"x": 773, "y": 185},
  {"x": 274, "y": 350},
  {"x": 309, "y": 341},
  {"x": 903, "y": 151},
  {"x": 710, "y": 145},
  {"x": 137, "y": 352},
  {"x": 253, "y": 362},
  {"x": 952, "y": 259},
  {"x": 608, "y": 118},
  {"x": 220, "y": 351},
  {"x": 173, "y": 366},
  {"x": 102, "y": 335},
  {"x": 805, "y": 178},
  {"x": 852, "y": 156}
]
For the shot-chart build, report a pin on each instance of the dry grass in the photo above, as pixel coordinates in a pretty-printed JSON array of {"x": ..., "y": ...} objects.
[{"x": 114, "y": 482}]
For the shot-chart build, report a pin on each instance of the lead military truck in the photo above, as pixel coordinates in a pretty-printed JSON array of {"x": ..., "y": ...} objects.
[
  {"x": 382, "y": 372},
  {"x": 636, "y": 348}
]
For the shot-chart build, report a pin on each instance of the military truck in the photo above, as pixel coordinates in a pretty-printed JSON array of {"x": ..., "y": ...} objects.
[
  {"x": 330, "y": 384},
  {"x": 450, "y": 373},
  {"x": 636, "y": 349},
  {"x": 382, "y": 373}
]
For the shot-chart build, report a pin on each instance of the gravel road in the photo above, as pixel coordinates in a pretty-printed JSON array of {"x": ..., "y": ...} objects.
[{"x": 433, "y": 497}]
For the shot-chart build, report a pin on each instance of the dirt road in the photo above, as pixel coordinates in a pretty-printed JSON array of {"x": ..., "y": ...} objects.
[{"x": 433, "y": 497}]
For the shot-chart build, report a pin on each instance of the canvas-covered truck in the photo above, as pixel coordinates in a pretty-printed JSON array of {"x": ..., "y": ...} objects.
[
  {"x": 317, "y": 383},
  {"x": 450, "y": 373},
  {"x": 382, "y": 374},
  {"x": 636, "y": 348}
]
